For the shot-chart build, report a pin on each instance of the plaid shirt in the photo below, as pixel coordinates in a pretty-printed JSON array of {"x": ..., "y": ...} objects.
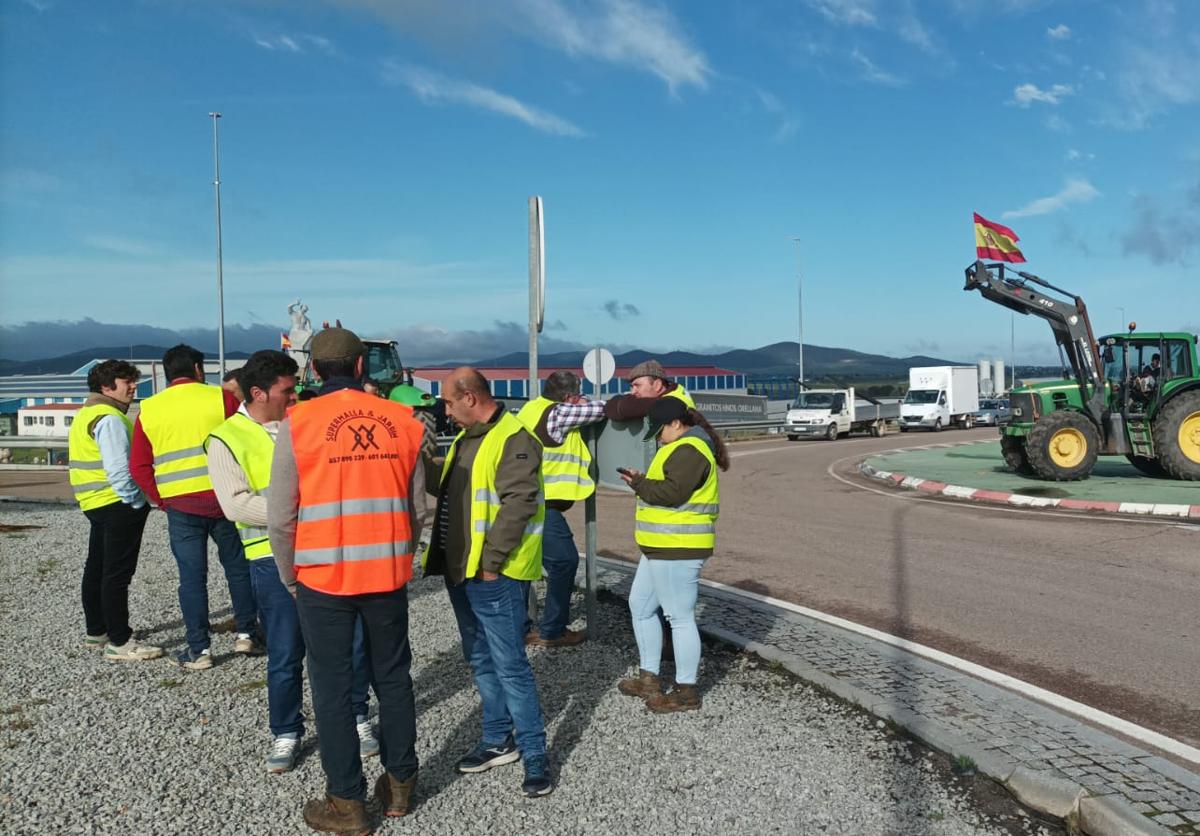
[{"x": 565, "y": 417}]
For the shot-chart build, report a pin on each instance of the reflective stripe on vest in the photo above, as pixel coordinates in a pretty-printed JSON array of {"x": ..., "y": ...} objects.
[
  {"x": 682, "y": 394},
  {"x": 177, "y": 422},
  {"x": 566, "y": 468},
  {"x": 524, "y": 563},
  {"x": 253, "y": 448},
  {"x": 355, "y": 455},
  {"x": 89, "y": 481},
  {"x": 691, "y": 525}
]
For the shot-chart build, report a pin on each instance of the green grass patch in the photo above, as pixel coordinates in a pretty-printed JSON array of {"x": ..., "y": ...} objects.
[
  {"x": 252, "y": 685},
  {"x": 169, "y": 683}
]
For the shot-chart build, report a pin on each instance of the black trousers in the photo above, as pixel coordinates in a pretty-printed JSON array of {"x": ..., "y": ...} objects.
[
  {"x": 327, "y": 622},
  {"x": 113, "y": 546}
]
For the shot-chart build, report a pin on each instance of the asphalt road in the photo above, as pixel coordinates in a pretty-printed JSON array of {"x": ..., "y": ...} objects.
[{"x": 1101, "y": 610}]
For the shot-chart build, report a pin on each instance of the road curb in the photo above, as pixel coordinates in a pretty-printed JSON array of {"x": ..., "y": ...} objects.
[
  {"x": 931, "y": 486},
  {"x": 27, "y": 500}
]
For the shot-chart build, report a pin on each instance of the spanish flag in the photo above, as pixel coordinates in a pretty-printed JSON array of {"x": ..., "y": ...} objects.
[
  {"x": 995, "y": 241},
  {"x": 285, "y": 344}
]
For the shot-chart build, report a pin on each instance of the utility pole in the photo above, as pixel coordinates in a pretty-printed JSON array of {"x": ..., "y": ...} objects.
[
  {"x": 537, "y": 289},
  {"x": 1012, "y": 335},
  {"x": 800, "y": 314},
  {"x": 220, "y": 279}
]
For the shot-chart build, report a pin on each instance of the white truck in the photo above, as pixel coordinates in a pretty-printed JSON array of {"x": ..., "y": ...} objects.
[
  {"x": 828, "y": 413},
  {"x": 940, "y": 397}
]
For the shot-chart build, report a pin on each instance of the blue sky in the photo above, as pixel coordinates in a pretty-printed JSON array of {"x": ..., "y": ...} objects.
[{"x": 377, "y": 156}]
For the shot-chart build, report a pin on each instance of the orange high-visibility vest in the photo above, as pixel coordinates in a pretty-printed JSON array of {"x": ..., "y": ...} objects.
[{"x": 355, "y": 455}]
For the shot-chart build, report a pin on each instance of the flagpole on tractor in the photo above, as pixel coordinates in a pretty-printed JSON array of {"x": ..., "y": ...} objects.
[
  {"x": 220, "y": 279},
  {"x": 800, "y": 315}
]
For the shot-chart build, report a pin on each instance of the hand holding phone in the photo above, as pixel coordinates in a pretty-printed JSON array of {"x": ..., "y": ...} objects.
[{"x": 624, "y": 471}]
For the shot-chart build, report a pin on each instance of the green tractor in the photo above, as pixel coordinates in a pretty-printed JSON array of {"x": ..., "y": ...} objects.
[
  {"x": 1135, "y": 394},
  {"x": 383, "y": 366}
]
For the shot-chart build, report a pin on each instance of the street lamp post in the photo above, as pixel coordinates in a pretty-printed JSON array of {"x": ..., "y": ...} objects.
[
  {"x": 800, "y": 315},
  {"x": 220, "y": 279}
]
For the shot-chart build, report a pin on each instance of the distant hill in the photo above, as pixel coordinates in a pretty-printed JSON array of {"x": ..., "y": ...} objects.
[
  {"x": 67, "y": 363},
  {"x": 774, "y": 359}
]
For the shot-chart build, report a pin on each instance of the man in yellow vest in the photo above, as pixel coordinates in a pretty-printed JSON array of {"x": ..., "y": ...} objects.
[
  {"x": 647, "y": 383},
  {"x": 115, "y": 508},
  {"x": 555, "y": 418},
  {"x": 239, "y": 464},
  {"x": 169, "y": 463},
  {"x": 487, "y": 542}
]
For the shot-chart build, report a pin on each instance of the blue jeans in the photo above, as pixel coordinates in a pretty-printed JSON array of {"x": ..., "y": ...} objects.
[
  {"x": 672, "y": 585},
  {"x": 329, "y": 623},
  {"x": 189, "y": 535},
  {"x": 285, "y": 652},
  {"x": 285, "y": 648},
  {"x": 491, "y": 621},
  {"x": 560, "y": 561}
]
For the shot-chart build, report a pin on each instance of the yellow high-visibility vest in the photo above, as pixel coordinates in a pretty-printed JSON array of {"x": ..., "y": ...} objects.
[
  {"x": 89, "y": 480},
  {"x": 524, "y": 563},
  {"x": 566, "y": 468},
  {"x": 253, "y": 448},
  {"x": 177, "y": 421},
  {"x": 692, "y": 525},
  {"x": 682, "y": 394}
]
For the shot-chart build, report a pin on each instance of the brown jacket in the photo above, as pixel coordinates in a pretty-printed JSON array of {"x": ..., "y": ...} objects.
[{"x": 518, "y": 482}]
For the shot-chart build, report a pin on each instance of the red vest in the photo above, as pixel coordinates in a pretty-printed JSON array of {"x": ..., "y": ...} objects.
[{"x": 355, "y": 455}]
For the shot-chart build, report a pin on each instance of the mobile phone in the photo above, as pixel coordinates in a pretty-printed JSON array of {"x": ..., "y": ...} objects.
[{"x": 624, "y": 471}]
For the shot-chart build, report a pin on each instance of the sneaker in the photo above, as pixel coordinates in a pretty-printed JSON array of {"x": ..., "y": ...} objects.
[
  {"x": 283, "y": 753},
  {"x": 486, "y": 755},
  {"x": 201, "y": 661},
  {"x": 247, "y": 645},
  {"x": 95, "y": 642},
  {"x": 131, "y": 651},
  {"x": 368, "y": 746},
  {"x": 569, "y": 638},
  {"x": 537, "y": 779}
]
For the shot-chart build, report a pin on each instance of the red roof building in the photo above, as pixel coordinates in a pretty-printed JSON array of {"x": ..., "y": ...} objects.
[{"x": 513, "y": 382}]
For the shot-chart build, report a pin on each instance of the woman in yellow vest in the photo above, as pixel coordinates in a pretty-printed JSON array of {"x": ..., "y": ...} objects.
[{"x": 677, "y": 508}]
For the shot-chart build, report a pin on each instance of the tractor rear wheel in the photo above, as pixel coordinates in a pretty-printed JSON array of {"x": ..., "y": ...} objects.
[
  {"x": 1062, "y": 446},
  {"x": 1147, "y": 466},
  {"x": 1177, "y": 436},
  {"x": 1013, "y": 448}
]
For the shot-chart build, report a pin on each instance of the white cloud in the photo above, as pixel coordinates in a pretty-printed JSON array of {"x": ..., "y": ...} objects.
[
  {"x": 38, "y": 5},
  {"x": 1074, "y": 155},
  {"x": 622, "y": 32},
  {"x": 914, "y": 32},
  {"x": 1026, "y": 94},
  {"x": 295, "y": 43},
  {"x": 434, "y": 88},
  {"x": 1075, "y": 191},
  {"x": 1056, "y": 123},
  {"x": 874, "y": 74},
  {"x": 847, "y": 12},
  {"x": 787, "y": 124},
  {"x": 1059, "y": 33},
  {"x": 120, "y": 245}
]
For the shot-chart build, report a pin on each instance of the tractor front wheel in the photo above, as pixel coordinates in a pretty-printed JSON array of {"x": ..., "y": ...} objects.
[
  {"x": 1013, "y": 448},
  {"x": 1062, "y": 447},
  {"x": 1177, "y": 436}
]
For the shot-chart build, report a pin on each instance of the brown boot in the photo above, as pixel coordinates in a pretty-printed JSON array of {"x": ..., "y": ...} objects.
[
  {"x": 569, "y": 638},
  {"x": 681, "y": 698},
  {"x": 394, "y": 795},
  {"x": 337, "y": 815},
  {"x": 645, "y": 685}
]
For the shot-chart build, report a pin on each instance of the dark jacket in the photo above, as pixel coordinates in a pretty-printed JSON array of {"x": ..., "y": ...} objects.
[
  {"x": 518, "y": 482},
  {"x": 629, "y": 408},
  {"x": 683, "y": 472}
]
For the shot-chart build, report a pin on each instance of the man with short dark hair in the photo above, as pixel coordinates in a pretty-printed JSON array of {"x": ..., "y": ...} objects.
[
  {"x": 115, "y": 509},
  {"x": 555, "y": 418},
  {"x": 169, "y": 464},
  {"x": 487, "y": 543},
  {"x": 231, "y": 383},
  {"x": 346, "y": 507}
]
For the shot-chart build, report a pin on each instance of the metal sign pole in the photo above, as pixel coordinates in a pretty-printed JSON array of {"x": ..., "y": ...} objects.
[
  {"x": 220, "y": 279},
  {"x": 589, "y": 537}
]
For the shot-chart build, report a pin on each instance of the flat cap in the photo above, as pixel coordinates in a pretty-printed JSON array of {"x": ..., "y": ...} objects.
[
  {"x": 647, "y": 368},
  {"x": 336, "y": 344}
]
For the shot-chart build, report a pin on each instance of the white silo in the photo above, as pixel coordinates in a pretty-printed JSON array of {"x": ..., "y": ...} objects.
[
  {"x": 985, "y": 377},
  {"x": 998, "y": 382}
]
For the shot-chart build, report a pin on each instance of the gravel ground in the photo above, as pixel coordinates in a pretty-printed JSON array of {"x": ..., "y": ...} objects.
[{"x": 88, "y": 746}]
